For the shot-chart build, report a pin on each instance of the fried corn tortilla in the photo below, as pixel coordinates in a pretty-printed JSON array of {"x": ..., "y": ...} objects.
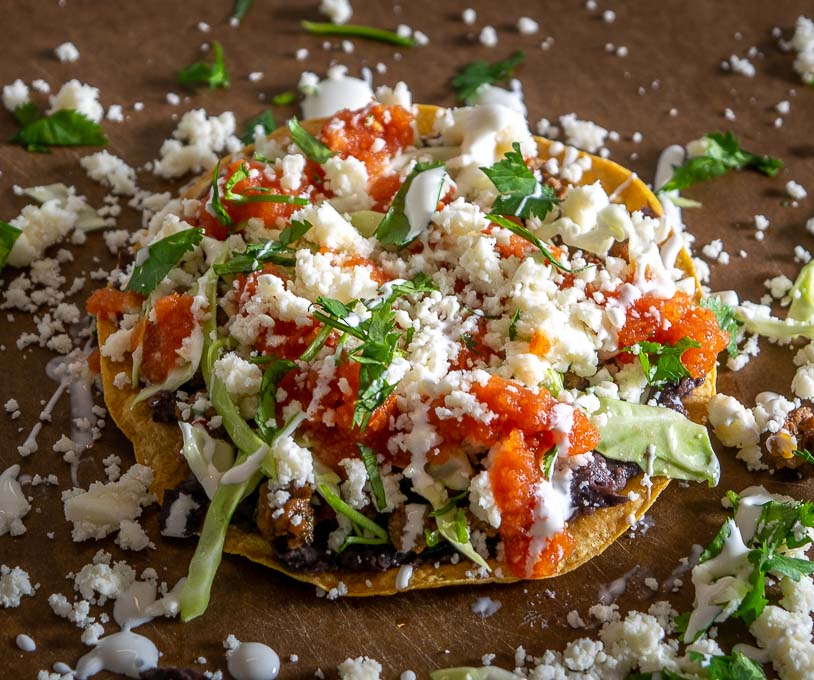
[{"x": 158, "y": 444}]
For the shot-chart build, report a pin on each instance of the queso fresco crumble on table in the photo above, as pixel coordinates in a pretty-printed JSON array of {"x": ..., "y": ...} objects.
[{"x": 412, "y": 346}]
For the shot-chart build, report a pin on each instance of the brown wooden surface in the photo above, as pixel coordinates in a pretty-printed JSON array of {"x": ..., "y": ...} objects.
[{"x": 131, "y": 51}]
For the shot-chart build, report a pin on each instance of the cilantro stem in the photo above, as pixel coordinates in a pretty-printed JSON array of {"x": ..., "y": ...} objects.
[
  {"x": 522, "y": 232},
  {"x": 356, "y": 31},
  {"x": 354, "y": 516}
]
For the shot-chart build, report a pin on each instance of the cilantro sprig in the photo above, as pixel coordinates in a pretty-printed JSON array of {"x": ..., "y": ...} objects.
[
  {"x": 253, "y": 195},
  {"x": 736, "y": 666},
  {"x": 727, "y": 321},
  {"x": 470, "y": 77},
  {"x": 356, "y": 31},
  {"x": 309, "y": 145},
  {"x": 800, "y": 453},
  {"x": 668, "y": 368},
  {"x": 521, "y": 195},
  {"x": 373, "y": 475},
  {"x": 8, "y": 236},
  {"x": 161, "y": 257},
  {"x": 550, "y": 462},
  {"x": 524, "y": 233},
  {"x": 200, "y": 73},
  {"x": 257, "y": 254},
  {"x": 724, "y": 153},
  {"x": 264, "y": 119},
  {"x": 66, "y": 127},
  {"x": 378, "y": 338}
]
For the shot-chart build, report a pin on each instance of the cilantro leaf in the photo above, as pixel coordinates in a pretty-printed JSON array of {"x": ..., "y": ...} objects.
[
  {"x": 264, "y": 120},
  {"x": 549, "y": 461},
  {"x": 294, "y": 231},
  {"x": 255, "y": 194},
  {"x": 27, "y": 113},
  {"x": 8, "y": 236},
  {"x": 668, "y": 368},
  {"x": 727, "y": 321},
  {"x": 469, "y": 78},
  {"x": 373, "y": 475},
  {"x": 240, "y": 9},
  {"x": 255, "y": 255},
  {"x": 737, "y": 666},
  {"x": 356, "y": 31},
  {"x": 717, "y": 543},
  {"x": 522, "y": 232},
  {"x": 215, "y": 204},
  {"x": 379, "y": 342},
  {"x": 723, "y": 154},
  {"x": 800, "y": 453},
  {"x": 200, "y": 73},
  {"x": 65, "y": 127},
  {"x": 309, "y": 145},
  {"x": 266, "y": 416},
  {"x": 396, "y": 227},
  {"x": 284, "y": 98},
  {"x": 161, "y": 257},
  {"x": 521, "y": 195}
]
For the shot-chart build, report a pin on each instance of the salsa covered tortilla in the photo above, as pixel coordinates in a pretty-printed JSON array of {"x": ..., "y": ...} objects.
[{"x": 409, "y": 348}]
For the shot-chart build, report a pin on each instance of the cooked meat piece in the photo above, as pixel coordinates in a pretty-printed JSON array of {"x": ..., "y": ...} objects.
[
  {"x": 797, "y": 433},
  {"x": 398, "y": 521},
  {"x": 673, "y": 396},
  {"x": 595, "y": 484},
  {"x": 294, "y": 519}
]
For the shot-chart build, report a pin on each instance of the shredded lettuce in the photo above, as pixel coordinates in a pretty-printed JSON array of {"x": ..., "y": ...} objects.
[
  {"x": 660, "y": 441},
  {"x": 207, "y": 457}
]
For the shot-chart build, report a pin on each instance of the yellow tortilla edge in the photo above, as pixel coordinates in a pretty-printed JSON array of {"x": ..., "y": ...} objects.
[{"x": 158, "y": 444}]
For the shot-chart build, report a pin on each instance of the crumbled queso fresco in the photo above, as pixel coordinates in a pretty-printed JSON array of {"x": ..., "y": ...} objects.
[{"x": 404, "y": 230}]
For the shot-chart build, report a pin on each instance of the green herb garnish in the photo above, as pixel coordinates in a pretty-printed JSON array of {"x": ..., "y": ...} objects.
[
  {"x": 450, "y": 504},
  {"x": 266, "y": 416},
  {"x": 520, "y": 194},
  {"x": 395, "y": 227},
  {"x": 294, "y": 231},
  {"x": 727, "y": 321},
  {"x": 668, "y": 368},
  {"x": 800, "y": 453},
  {"x": 8, "y": 236},
  {"x": 469, "y": 78},
  {"x": 240, "y": 9},
  {"x": 200, "y": 73},
  {"x": 258, "y": 194},
  {"x": 524, "y": 233},
  {"x": 364, "y": 523},
  {"x": 65, "y": 127},
  {"x": 379, "y": 340},
  {"x": 255, "y": 255},
  {"x": 309, "y": 145},
  {"x": 284, "y": 98},
  {"x": 264, "y": 120},
  {"x": 373, "y": 475},
  {"x": 549, "y": 462},
  {"x": 162, "y": 256},
  {"x": 723, "y": 154},
  {"x": 215, "y": 204},
  {"x": 355, "y": 31}
]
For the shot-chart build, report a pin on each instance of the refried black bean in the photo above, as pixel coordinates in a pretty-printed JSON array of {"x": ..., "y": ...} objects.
[
  {"x": 595, "y": 485},
  {"x": 672, "y": 396},
  {"x": 164, "y": 408}
]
